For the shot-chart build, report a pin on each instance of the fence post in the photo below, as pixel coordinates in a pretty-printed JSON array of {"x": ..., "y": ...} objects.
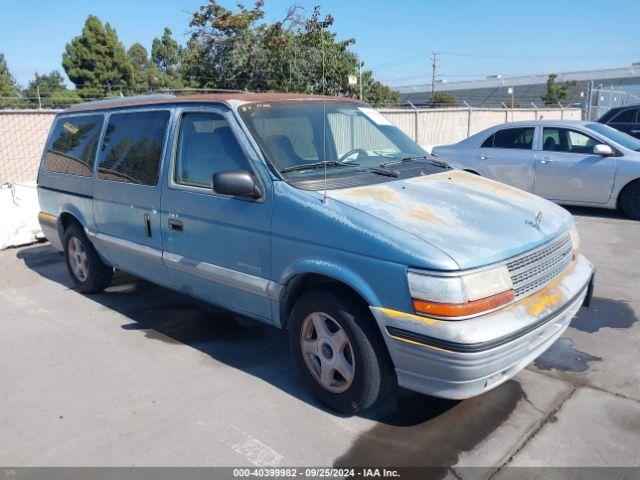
[
  {"x": 468, "y": 118},
  {"x": 506, "y": 112},
  {"x": 590, "y": 100},
  {"x": 416, "y": 121}
]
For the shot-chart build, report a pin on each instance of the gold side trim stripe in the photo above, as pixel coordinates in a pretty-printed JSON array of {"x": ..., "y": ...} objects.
[{"x": 47, "y": 217}]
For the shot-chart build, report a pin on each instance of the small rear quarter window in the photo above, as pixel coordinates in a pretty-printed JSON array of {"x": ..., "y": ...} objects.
[{"x": 73, "y": 144}]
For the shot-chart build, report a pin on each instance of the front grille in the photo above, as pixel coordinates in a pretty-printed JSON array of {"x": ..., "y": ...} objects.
[{"x": 537, "y": 268}]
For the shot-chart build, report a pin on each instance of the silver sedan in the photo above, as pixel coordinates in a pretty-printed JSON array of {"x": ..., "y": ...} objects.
[{"x": 568, "y": 162}]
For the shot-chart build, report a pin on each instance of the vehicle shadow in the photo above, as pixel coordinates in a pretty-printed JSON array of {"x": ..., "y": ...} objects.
[
  {"x": 595, "y": 212},
  {"x": 409, "y": 430},
  {"x": 237, "y": 341}
]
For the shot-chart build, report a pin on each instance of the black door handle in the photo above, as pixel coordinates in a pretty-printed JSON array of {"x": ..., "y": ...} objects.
[
  {"x": 175, "y": 224},
  {"x": 147, "y": 224}
]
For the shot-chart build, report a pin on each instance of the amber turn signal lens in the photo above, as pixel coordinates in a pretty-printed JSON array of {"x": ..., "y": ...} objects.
[{"x": 463, "y": 309}]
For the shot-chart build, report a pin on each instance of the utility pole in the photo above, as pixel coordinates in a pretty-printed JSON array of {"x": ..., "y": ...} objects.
[
  {"x": 39, "y": 99},
  {"x": 434, "y": 65},
  {"x": 360, "y": 78}
]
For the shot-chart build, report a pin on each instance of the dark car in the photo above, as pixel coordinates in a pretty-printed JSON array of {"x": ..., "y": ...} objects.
[{"x": 626, "y": 119}]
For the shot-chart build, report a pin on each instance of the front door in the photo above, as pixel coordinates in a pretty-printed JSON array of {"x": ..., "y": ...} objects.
[
  {"x": 216, "y": 246},
  {"x": 567, "y": 169},
  {"x": 507, "y": 156},
  {"x": 127, "y": 192}
]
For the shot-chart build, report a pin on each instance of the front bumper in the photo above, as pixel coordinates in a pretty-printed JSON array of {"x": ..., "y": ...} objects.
[{"x": 464, "y": 358}]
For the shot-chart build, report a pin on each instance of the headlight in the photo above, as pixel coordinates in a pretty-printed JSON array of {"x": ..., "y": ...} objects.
[
  {"x": 460, "y": 295},
  {"x": 575, "y": 238}
]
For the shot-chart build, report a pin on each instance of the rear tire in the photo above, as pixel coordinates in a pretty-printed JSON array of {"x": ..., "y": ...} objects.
[
  {"x": 87, "y": 271},
  {"x": 630, "y": 200},
  {"x": 346, "y": 367}
]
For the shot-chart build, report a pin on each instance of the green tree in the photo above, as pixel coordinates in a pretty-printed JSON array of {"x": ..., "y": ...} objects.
[
  {"x": 8, "y": 85},
  {"x": 238, "y": 50},
  {"x": 166, "y": 55},
  {"x": 96, "y": 62},
  {"x": 442, "y": 99},
  {"x": 377, "y": 93},
  {"x": 145, "y": 76},
  {"x": 557, "y": 92},
  {"x": 51, "y": 89},
  {"x": 9, "y": 89}
]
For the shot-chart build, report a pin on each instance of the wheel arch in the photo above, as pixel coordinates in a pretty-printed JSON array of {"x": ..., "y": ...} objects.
[
  {"x": 70, "y": 213},
  {"x": 305, "y": 279},
  {"x": 303, "y": 282},
  {"x": 625, "y": 188}
]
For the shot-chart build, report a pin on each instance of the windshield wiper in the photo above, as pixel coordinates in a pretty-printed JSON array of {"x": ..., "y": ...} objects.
[
  {"x": 326, "y": 163},
  {"x": 437, "y": 163},
  {"x": 402, "y": 160},
  {"x": 383, "y": 171}
]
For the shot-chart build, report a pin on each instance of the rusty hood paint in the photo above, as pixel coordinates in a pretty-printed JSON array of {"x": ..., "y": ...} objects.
[{"x": 474, "y": 220}]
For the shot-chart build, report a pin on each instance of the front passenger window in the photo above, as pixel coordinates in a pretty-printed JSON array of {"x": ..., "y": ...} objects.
[
  {"x": 568, "y": 141},
  {"x": 206, "y": 145}
]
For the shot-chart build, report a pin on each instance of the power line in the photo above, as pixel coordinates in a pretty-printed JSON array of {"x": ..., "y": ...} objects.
[{"x": 520, "y": 57}]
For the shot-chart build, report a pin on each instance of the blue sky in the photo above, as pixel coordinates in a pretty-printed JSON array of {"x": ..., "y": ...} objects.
[{"x": 394, "y": 38}]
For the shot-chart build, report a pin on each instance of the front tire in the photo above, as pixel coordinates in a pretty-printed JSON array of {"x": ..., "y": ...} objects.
[
  {"x": 338, "y": 350},
  {"x": 630, "y": 201},
  {"x": 88, "y": 272}
]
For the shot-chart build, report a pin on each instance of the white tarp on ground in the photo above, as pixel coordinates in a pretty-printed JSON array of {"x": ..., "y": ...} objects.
[{"x": 19, "y": 215}]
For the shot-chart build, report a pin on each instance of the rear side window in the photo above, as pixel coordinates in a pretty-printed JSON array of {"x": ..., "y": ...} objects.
[
  {"x": 72, "y": 145},
  {"x": 132, "y": 147},
  {"x": 206, "y": 145},
  {"x": 626, "y": 116},
  {"x": 514, "y": 138}
]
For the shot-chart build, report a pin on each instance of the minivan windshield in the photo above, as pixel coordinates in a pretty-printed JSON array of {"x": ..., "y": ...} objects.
[
  {"x": 621, "y": 138},
  {"x": 304, "y": 138}
]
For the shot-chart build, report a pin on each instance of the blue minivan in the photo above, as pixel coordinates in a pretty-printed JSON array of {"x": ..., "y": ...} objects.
[{"x": 317, "y": 215}]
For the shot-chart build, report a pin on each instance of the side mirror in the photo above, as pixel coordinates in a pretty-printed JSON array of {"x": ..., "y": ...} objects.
[
  {"x": 238, "y": 183},
  {"x": 603, "y": 150}
]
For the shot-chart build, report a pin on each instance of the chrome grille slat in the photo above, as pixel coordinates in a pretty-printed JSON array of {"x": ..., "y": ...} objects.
[{"x": 537, "y": 268}]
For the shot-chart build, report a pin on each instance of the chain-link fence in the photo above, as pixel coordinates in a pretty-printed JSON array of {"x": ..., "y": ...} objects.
[
  {"x": 601, "y": 99},
  {"x": 23, "y": 132}
]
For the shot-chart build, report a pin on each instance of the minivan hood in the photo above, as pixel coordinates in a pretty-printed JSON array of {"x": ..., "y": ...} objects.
[{"x": 474, "y": 220}]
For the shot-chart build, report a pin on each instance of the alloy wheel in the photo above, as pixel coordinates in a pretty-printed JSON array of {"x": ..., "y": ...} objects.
[{"x": 327, "y": 352}]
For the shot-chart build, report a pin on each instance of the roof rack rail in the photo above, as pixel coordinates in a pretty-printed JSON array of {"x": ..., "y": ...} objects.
[
  {"x": 174, "y": 91},
  {"x": 118, "y": 100}
]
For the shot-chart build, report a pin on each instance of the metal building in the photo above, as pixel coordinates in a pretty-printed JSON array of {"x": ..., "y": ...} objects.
[{"x": 595, "y": 90}]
